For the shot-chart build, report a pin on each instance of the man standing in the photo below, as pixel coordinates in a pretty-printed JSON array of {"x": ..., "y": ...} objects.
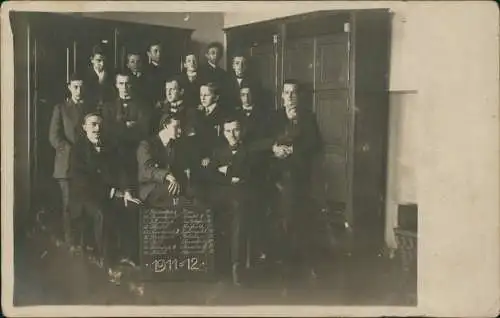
[
  {"x": 230, "y": 197},
  {"x": 191, "y": 79},
  {"x": 99, "y": 79},
  {"x": 97, "y": 176},
  {"x": 155, "y": 72},
  {"x": 127, "y": 121},
  {"x": 239, "y": 78},
  {"x": 64, "y": 131},
  {"x": 296, "y": 140},
  {"x": 211, "y": 71},
  {"x": 255, "y": 122},
  {"x": 139, "y": 82},
  {"x": 175, "y": 103}
]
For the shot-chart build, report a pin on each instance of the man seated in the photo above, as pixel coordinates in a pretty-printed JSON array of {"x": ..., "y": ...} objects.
[
  {"x": 165, "y": 165},
  {"x": 230, "y": 195},
  {"x": 96, "y": 178}
]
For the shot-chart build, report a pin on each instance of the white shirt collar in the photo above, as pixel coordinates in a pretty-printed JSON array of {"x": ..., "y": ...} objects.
[{"x": 210, "y": 108}]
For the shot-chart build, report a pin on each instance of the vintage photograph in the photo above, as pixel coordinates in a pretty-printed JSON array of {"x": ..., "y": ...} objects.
[{"x": 214, "y": 158}]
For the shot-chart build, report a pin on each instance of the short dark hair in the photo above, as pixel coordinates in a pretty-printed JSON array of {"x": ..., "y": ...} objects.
[
  {"x": 75, "y": 77},
  {"x": 239, "y": 53},
  {"x": 213, "y": 87},
  {"x": 291, "y": 81},
  {"x": 187, "y": 53},
  {"x": 246, "y": 86},
  {"x": 121, "y": 73},
  {"x": 232, "y": 117},
  {"x": 91, "y": 114},
  {"x": 133, "y": 53},
  {"x": 177, "y": 79},
  {"x": 153, "y": 43},
  {"x": 97, "y": 49},
  {"x": 167, "y": 118},
  {"x": 216, "y": 45}
]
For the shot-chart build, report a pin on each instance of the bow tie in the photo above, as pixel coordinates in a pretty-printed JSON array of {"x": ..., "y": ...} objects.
[{"x": 234, "y": 148}]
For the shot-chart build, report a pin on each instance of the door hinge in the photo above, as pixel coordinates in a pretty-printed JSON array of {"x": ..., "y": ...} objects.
[{"x": 347, "y": 27}]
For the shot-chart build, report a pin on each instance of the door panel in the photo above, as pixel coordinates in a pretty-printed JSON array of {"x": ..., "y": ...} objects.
[
  {"x": 263, "y": 64},
  {"x": 331, "y": 106},
  {"x": 299, "y": 60},
  {"x": 52, "y": 63},
  {"x": 331, "y": 62},
  {"x": 299, "y": 65},
  {"x": 331, "y": 110}
]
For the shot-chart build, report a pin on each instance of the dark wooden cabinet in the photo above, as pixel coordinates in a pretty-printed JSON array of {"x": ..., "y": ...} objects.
[
  {"x": 342, "y": 60},
  {"x": 49, "y": 47}
]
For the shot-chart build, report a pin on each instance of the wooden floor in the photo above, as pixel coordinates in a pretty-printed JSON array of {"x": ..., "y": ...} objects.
[{"x": 46, "y": 274}]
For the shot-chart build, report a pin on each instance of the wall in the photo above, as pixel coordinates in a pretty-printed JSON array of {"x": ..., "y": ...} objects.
[{"x": 207, "y": 25}]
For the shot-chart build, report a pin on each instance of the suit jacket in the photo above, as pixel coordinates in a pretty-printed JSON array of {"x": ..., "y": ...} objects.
[
  {"x": 192, "y": 89},
  {"x": 115, "y": 117},
  {"x": 155, "y": 77},
  {"x": 186, "y": 113},
  {"x": 100, "y": 93},
  {"x": 65, "y": 127},
  {"x": 256, "y": 124},
  {"x": 93, "y": 173},
  {"x": 215, "y": 75},
  {"x": 232, "y": 90},
  {"x": 239, "y": 164},
  {"x": 156, "y": 161},
  {"x": 209, "y": 129},
  {"x": 140, "y": 87},
  {"x": 306, "y": 140}
]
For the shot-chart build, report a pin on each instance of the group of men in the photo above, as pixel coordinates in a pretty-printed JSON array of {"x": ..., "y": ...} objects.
[{"x": 138, "y": 138}]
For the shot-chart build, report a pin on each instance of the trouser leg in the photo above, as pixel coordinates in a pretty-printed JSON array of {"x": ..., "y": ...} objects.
[
  {"x": 129, "y": 232},
  {"x": 237, "y": 233},
  {"x": 66, "y": 218}
]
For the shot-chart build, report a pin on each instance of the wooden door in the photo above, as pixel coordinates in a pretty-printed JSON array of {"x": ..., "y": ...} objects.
[
  {"x": 331, "y": 106},
  {"x": 263, "y": 65},
  {"x": 52, "y": 64},
  {"x": 298, "y": 64}
]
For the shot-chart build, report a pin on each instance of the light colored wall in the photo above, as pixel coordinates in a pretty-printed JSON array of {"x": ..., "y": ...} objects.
[{"x": 207, "y": 25}]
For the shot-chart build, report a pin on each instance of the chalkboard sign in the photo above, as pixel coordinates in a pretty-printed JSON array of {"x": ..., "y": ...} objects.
[{"x": 177, "y": 243}]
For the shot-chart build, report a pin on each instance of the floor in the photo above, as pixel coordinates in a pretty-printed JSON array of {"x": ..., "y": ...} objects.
[{"x": 47, "y": 274}]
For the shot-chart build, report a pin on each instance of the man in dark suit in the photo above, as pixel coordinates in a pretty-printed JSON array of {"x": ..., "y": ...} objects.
[
  {"x": 211, "y": 71},
  {"x": 175, "y": 103},
  {"x": 97, "y": 177},
  {"x": 138, "y": 78},
  {"x": 208, "y": 120},
  {"x": 99, "y": 79},
  {"x": 238, "y": 78},
  {"x": 127, "y": 121},
  {"x": 155, "y": 72},
  {"x": 165, "y": 165},
  {"x": 296, "y": 141},
  {"x": 64, "y": 131},
  {"x": 191, "y": 79},
  {"x": 231, "y": 166},
  {"x": 256, "y": 127}
]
